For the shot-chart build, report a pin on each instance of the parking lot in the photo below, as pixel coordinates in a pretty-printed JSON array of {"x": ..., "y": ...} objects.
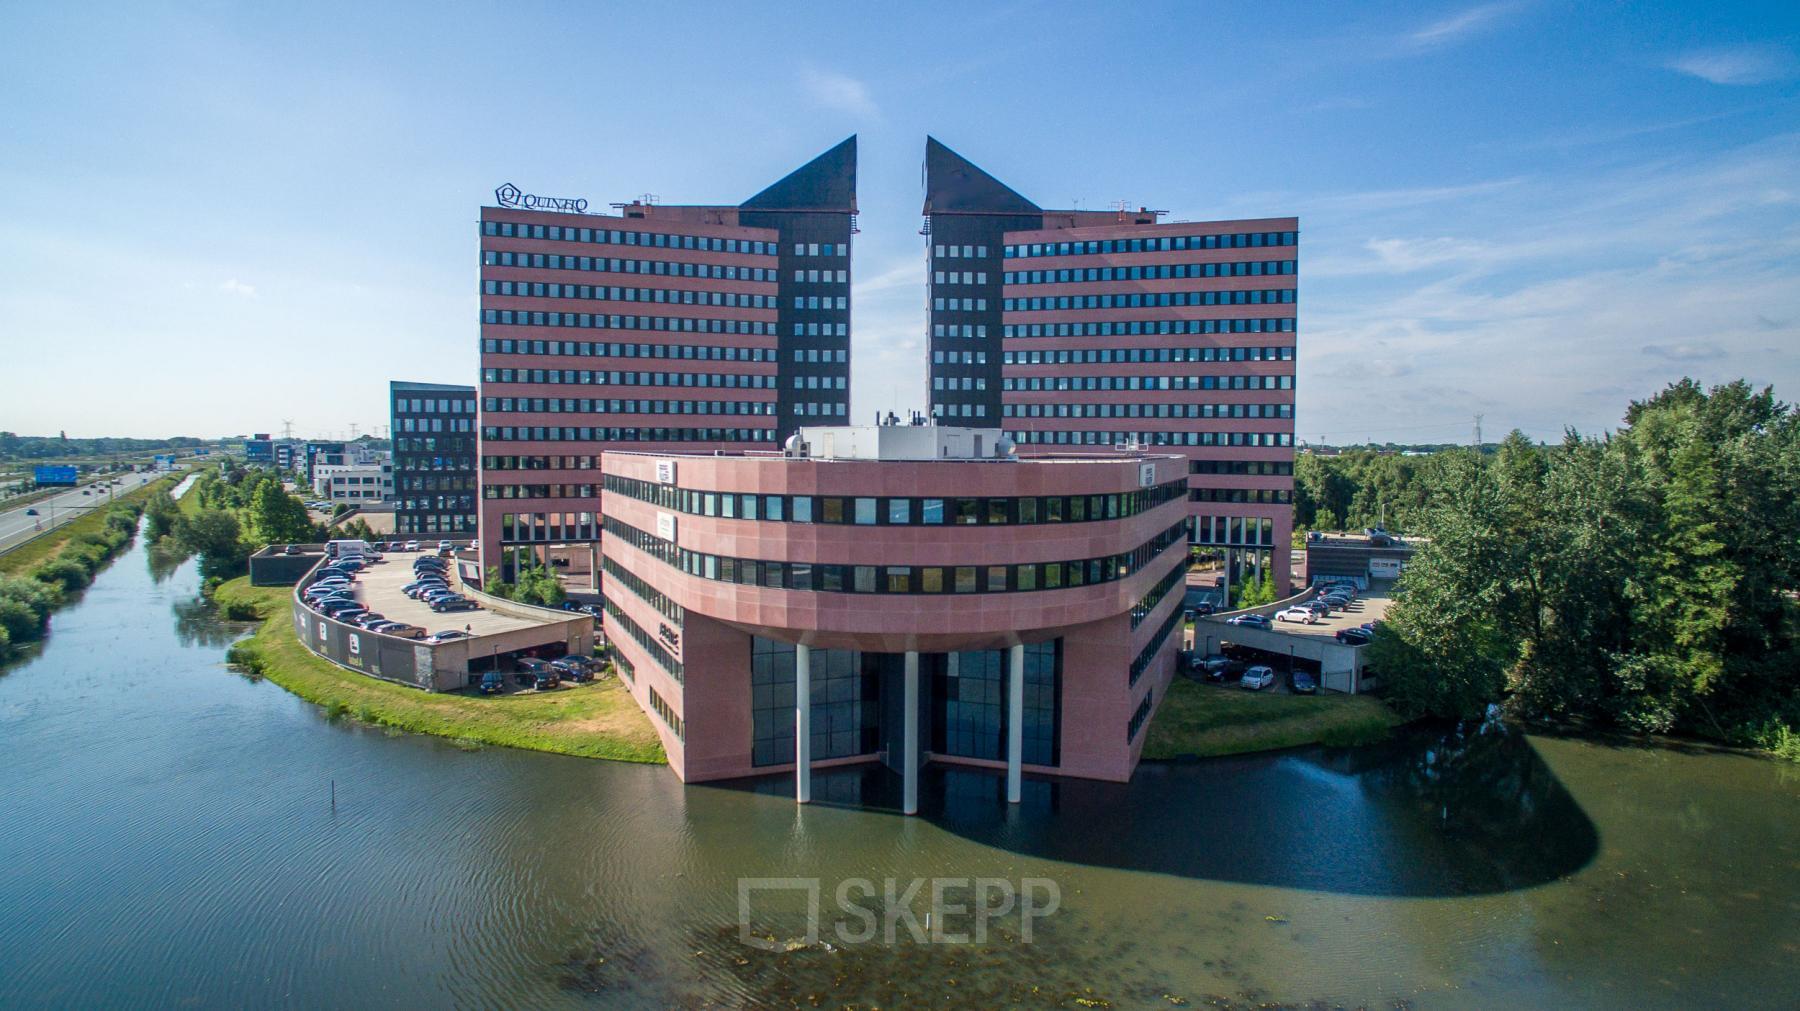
[
  {"x": 378, "y": 588},
  {"x": 1369, "y": 605}
]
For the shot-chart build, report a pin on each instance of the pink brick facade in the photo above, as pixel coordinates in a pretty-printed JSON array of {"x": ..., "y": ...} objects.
[{"x": 1096, "y": 695}]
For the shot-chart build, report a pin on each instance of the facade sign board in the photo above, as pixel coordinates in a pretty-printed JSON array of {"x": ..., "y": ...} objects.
[
  {"x": 665, "y": 526},
  {"x": 665, "y": 472},
  {"x": 508, "y": 195},
  {"x": 1146, "y": 474}
]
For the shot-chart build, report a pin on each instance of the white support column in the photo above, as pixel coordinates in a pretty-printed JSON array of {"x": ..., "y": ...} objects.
[
  {"x": 1015, "y": 722},
  {"x": 909, "y": 751},
  {"x": 802, "y": 724},
  {"x": 1225, "y": 605},
  {"x": 594, "y": 566}
]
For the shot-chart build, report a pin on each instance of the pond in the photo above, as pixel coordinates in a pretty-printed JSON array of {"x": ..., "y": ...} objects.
[{"x": 175, "y": 833}]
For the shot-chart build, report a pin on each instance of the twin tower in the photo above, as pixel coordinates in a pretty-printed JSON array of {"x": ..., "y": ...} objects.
[{"x": 726, "y": 327}]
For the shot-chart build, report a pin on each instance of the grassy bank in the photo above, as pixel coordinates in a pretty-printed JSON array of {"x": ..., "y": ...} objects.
[
  {"x": 597, "y": 720},
  {"x": 1207, "y": 720}
]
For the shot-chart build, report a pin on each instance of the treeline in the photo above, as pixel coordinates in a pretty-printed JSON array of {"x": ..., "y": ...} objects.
[
  {"x": 1362, "y": 488},
  {"x": 55, "y": 447},
  {"x": 27, "y": 601},
  {"x": 234, "y": 514},
  {"x": 1642, "y": 581}
]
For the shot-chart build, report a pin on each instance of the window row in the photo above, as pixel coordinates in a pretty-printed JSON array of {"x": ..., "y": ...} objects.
[
  {"x": 556, "y": 405},
  {"x": 899, "y": 579},
  {"x": 1066, "y": 410},
  {"x": 1234, "y": 531},
  {"x": 895, "y": 512},
  {"x": 434, "y": 405},
  {"x": 958, "y": 410},
  {"x": 598, "y": 321},
  {"x": 614, "y": 265},
  {"x": 1246, "y": 468},
  {"x": 819, "y": 382},
  {"x": 959, "y": 277},
  {"x": 968, "y": 331},
  {"x": 1062, "y": 438},
  {"x": 514, "y": 492},
  {"x": 941, "y": 251},
  {"x": 664, "y": 604},
  {"x": 1138, "y": 717},
  {"x": 552, "y": 433},
  {"x": 959, "y": 358},
  {"x": 821, "y": 329},
  {"x": 658, "y": 654},
  {"x": 666, "y": 713},
  {"x": 625, "y": 237},
  {"x": 602, "y": 293},
  {"x": 1260, "y": 496},
  {"x": 1175, "y": 578},
  {"x": 554, "y": 528},
  {"x": 1145, "y": 656},
  {"x": 583, "y": 377},
  {"x": 958, "y": 383},
  {"x": 959, "y": 304},
  {"x": 539, "y": 462},
  {"x": 1047, "y": 384},
  {"x": 821, "y": 409},
  {"x": 603, "y": 349},
  {"x": 1155, "y": 272},
  {"x": 1151, "y": 300},
  {"x": 1155, "y": 243},
  {"x": 1136, "y": 328},
  {"x": 821, "y": 301},
  {"x": 435, "y": 424},
  {"x": 1109, "y": 356}
]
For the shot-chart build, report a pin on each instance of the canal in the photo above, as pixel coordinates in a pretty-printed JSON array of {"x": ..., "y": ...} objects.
[{"x": 169, "y": 836}]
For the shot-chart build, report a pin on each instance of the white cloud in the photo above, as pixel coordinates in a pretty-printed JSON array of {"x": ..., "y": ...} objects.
[
  {"x": 1457, "y": 26},
  {"x": 838, "y": 91},
  {"x": 1752, "y": 64},
  {"x": 236, "y": 287}
]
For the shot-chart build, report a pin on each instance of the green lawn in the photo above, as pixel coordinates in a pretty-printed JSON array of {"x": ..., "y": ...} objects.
[
  {"x": 595, "y": 720},
  {"x": 1206, "y": 720},
  {"x": 32, "y": 553}
]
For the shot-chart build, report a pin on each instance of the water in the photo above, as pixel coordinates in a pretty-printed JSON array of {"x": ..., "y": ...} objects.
[{"x": 167, "y": 837}]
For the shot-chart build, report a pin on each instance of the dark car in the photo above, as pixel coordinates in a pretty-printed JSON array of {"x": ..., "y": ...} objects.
[
  {"x": 1303, "y": 683},
  {"x": 455, "y": 633},
  {"x": 493, "y": 683},
  {"x": 346, "y": 613},
  {"x": 547, "y": 678},
  {"x": 414, "y": 589},
  {"x": 1353, "y": 636},
  {"x": 1250, "y": 620},
  {"x": 368, "y": 618},
  {"x": 529, "y": 667},
  {"x": 31, "y": 512},
  {"x": 455, "y": 604},
  {"x": 1213, "y": 666},
  {"x": 575, "y": 668}
]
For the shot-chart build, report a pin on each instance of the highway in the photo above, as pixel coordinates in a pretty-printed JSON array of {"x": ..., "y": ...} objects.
[{"x": 17, "y": 526}]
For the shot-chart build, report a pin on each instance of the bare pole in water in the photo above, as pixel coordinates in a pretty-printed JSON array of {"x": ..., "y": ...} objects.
[{"x": 334, "y": 795}]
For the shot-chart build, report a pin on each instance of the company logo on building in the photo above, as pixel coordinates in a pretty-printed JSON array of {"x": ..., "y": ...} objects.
[{"x": 509, "y": 195}]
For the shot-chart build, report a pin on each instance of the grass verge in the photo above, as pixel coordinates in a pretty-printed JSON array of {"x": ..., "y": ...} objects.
[
  {"x": 595, "y": 720},
  {"x": 1209, "y": 720}
]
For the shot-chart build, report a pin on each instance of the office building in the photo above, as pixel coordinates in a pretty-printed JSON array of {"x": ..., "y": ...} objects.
[
  {"x": 435, "y": 451},
  {"x": 896, "y": 594},
  {"x": 259, "y": 449},
  {"x": 367, "y": 479},
  {"x": 322, "y": 453},
  {"x": 1077, "y": 330},
  {"x": 685, "y": 327}
]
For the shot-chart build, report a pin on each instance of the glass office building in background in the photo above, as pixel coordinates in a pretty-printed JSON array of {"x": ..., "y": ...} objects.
[{"x": 433, "y": 430}]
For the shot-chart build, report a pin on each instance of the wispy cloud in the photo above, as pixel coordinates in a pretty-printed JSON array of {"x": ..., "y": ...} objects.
[
  {"x": 233, "y": 286},
  {"x": 1750, "y": 64},
  {"x": 1456, "y": 27},
  {"x": 838, "y": 91}
]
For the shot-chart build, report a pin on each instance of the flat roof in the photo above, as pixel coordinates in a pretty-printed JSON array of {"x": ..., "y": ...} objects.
[{"x": 377, "y": 587}]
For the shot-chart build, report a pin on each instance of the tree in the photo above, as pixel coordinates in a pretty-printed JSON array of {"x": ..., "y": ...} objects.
[
  {"x": 214, "y": 535},
  {"x": 277, "y": 517}
]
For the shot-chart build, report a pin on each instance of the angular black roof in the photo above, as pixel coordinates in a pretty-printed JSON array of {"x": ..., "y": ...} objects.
[
  {"x": 827, "y": 183},
  {"x": 954, "y": 184}
]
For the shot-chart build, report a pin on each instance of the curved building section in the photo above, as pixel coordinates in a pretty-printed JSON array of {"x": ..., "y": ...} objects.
[{"x": 1016, "y": 613}]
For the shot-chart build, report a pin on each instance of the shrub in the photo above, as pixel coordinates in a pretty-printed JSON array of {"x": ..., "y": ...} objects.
[
  {"x": 18, "y": 621},
  {"x": 69, "y": 573}
]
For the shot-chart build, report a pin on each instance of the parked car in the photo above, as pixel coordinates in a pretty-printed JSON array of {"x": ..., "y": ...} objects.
[
  {"x": 1353, "y": 636},
  {"x": 391, "y": 546},
  {"x": 291, "y": 549},
  {"x": 444, "y": 545},
  {"x": 1257, "y": 678},
  {"x": 346, "y": 613},
  {"x": 1303, "y": 683},
  {"x": 411, "y": 546},
  {"x": 1250, "y": 620},
  {"x": 1214, "y": 666},
  {"x": 493, "y": 683},
  {"x": 575, "y": 668},
  {"x": 527, "y": 668},
  {"x": 1314, "y": 535},
  {"x": 1318, "y": 607},
  {"x": 403, "y": 630},
  {"x": 430, "y": 565},
  {"x": 446, "y": 636},
  {"x": 414, "y": 589},
  {"x": 547, "y": 678},
  {"x": 368, "y": 618},
  {"x": 448, "y": 605},
  {"x": 1300, "y": 614}
]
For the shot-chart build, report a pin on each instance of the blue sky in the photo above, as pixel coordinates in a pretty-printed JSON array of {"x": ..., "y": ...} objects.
[{"x": 214, "y": 218}]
